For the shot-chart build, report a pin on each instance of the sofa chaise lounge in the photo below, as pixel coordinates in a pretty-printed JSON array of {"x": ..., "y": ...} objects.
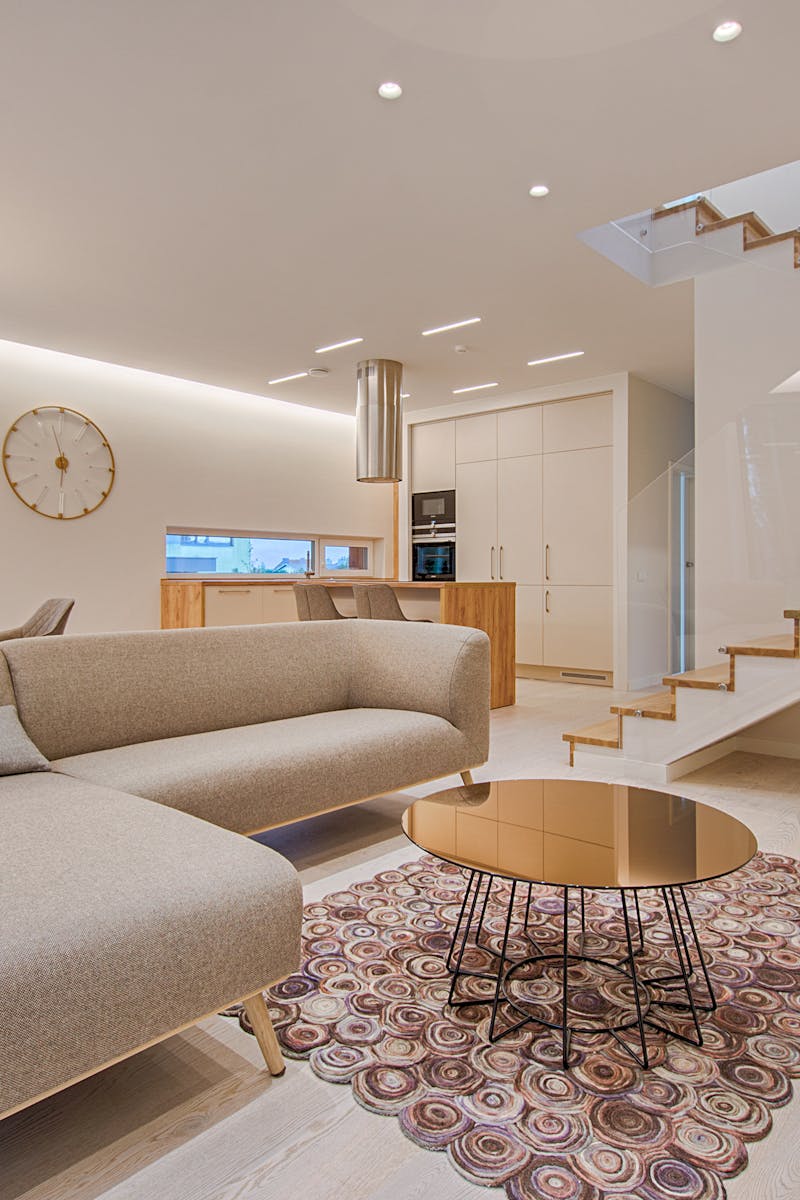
[{"x": 131, "y": 906}]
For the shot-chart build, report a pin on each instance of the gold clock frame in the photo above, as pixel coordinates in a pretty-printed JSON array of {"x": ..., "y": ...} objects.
[{"x": 61, "y": 408}]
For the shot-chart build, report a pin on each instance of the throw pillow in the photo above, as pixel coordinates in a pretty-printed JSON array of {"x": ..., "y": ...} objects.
[{"x": 17, "y": 752}]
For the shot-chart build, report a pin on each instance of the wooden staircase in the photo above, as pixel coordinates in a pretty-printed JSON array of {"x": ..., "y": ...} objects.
[
  {"x": 708, "y": 219},
  {"x": 663, "y": 706}
]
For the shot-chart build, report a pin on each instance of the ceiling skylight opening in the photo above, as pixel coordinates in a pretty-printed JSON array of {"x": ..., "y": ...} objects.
[
  {"x": 454, "y": 325},
  {"x": 539, "y": 190},
  {"x": 537, "y": 362},
  {"x": 286, "y": 378},
  {"x": 337, "y": 345},
  {"x": 476, "y": 387},
  {"x": 727, "y": 31},
  {"x": 390, "y": 91}
]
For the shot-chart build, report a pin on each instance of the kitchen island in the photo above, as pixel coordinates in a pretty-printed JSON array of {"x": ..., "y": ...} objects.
[{"x": 190, "y": 603}]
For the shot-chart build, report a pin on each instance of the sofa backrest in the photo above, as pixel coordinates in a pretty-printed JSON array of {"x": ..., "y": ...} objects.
[{"x": 80, "y": 693}]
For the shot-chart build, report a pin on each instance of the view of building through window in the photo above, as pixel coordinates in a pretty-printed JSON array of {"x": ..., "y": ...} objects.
[
  {"x": 231, "y": 554},
  {"x": 213, "y": 555}
]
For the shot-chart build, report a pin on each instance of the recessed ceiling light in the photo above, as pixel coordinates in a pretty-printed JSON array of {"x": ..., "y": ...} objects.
[
  {"x": 286, "y": 378},
  {"x": 455, "y": 325},
  {"x": 537, "y": 362},
  {"x": 538, "y": 190},
  {"x": 390, "y": 91},
  {"x": 728, "y": 31},
  {"x": 476, "y": 387},
  {"x": 337, "y": 345}
]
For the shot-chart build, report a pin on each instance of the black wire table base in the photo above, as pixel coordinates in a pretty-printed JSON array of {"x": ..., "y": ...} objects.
[{"x": 641, "y": 1016}]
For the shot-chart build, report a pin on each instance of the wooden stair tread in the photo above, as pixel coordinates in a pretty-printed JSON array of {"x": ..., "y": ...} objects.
[
  {"x": 704, "y": 207},
  {"x": 604, "y": 733},
  {"x": 781, "y": 645},
  {"x": 703, "y": 677},
  {"x": 792, "y": 614},
  {"x": 659, "y": 706},
  {"x": 772, "y": 239},
  {"x": 750, "y": 222}
]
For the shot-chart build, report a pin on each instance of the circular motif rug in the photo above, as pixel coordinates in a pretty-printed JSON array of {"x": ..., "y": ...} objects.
[{"x": 368, "y": 1009}]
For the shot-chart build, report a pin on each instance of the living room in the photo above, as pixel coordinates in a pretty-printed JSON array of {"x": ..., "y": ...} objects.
[{"x": 213, "y": 217}]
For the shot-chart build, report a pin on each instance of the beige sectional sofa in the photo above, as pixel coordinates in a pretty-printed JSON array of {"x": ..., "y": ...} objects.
[{"x": 128, "y": 913}]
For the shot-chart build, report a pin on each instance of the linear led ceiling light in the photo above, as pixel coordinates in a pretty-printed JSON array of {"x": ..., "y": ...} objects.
[
  {"x": 286, "y": 378},
  {"x": 476, "y": 387},
  {"x": 337, "y": 345},
  {"x": 455, "y": 325},
  {"x": 537, "y": 362},
  {"x": 728, "y": 31}
]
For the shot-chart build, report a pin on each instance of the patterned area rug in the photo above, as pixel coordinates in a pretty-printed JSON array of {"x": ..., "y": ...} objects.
[{"x": 368, "y": 1010}]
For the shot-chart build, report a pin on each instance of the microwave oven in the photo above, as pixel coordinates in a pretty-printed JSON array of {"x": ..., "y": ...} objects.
[{"x": 433, "y": 512}]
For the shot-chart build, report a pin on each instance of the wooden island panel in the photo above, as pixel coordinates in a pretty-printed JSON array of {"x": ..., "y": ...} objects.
[{"x": 486, "y": 606}]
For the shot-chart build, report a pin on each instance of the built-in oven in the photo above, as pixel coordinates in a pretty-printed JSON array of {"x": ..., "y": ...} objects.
[{"x": 433, "y": 559}]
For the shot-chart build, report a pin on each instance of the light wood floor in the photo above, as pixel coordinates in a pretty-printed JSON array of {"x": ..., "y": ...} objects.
[{"x": 197, "y": 1118}]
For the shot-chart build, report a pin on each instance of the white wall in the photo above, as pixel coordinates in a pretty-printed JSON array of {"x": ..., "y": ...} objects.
[
  {"x": 747, "y": 550},
  {"x": 186, "y": 454},
  {"x": 660, "y": 432}
]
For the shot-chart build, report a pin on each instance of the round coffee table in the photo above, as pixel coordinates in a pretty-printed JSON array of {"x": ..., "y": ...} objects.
[{"x": 582, "y": 836}]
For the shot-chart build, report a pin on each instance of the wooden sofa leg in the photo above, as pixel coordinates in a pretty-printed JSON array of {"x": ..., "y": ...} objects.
[
  {"x": 466, "y": 778},
  {"x": 258, "y": 1016}
]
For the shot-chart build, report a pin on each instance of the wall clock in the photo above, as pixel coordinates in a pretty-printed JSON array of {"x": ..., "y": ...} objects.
[{"x": 58, "y": 463}]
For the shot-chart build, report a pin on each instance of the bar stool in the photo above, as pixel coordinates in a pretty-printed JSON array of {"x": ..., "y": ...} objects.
[
  {"x": 314, "y": 603},
  {"x": 377, "y": 602}
]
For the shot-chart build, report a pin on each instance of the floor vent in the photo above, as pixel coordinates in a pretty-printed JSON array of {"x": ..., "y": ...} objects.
[{"x": 581, "y": 675}]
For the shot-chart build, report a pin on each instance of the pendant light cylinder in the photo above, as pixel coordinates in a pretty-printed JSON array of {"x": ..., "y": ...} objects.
[{"x": 379, "y": 421}]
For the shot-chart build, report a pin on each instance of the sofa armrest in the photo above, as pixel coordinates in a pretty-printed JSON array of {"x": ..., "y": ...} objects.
[
  {"x": 437, "y": 669},
  {"x": 8, "y": 635}
]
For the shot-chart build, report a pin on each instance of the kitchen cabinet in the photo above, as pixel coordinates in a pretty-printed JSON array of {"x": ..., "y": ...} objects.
[
  {"x": 578, "y": 627},
  {"x": 476, "y": 439},
  {"x": 277, "y": 604},
  {"x": 577, "y": 516},
  {"x": 433, "y": 456},
  {"x": 519, "y": 431},
  {"x": 577, "y": 424},
  {"x": 233, "y": 605},
  {"x": 534, "y": 489},
  {"x": 476, "y": 521}
]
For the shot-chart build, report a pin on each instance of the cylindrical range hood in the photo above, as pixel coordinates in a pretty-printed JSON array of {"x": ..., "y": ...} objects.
[{"x": 379, "y": 421}]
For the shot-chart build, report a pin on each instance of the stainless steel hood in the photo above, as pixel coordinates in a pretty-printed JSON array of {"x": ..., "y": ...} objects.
[{"x": 379, "y": 421}]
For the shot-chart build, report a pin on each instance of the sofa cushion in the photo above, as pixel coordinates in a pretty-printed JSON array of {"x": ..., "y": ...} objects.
[
  {"x": 17, "y": 752},
  {"x": 258, "y": 776},
  {"x": 122, "y": 921},
  {"x": 93, "y": 691}
]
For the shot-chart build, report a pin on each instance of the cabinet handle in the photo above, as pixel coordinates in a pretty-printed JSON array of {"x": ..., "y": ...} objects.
[
  {"x": 547, "y": 561},
  {"x": 491, "y": 569},
  {"x": 501, "y": 563},
  {"x": 233, "y": 591},
  {"x": 547, "y": 601}
]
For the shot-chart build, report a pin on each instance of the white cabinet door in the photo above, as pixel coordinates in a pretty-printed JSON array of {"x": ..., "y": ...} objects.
[
  {"x": 578, "y": 628},
  {"x": 529, "y": 605},
  {"x": 433, "y": 456},
  {"x": 476, "y": 438},
  {"x": 577, "y": 516},
  {"x": 577, "y": 424},
  {"x": 476, "y": 521},
  {"x": 233, "y": 605},
  {"x": 519, "y": 431},
  {"x": 277, "y": 604},
  {"x": 519, "y": 500}
]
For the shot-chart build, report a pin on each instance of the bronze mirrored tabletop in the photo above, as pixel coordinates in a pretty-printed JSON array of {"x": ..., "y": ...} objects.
[{"x": 574, "y": 833}]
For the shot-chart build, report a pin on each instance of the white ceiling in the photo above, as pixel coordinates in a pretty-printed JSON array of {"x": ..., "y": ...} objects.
[{"x": 211, "y": 189}]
